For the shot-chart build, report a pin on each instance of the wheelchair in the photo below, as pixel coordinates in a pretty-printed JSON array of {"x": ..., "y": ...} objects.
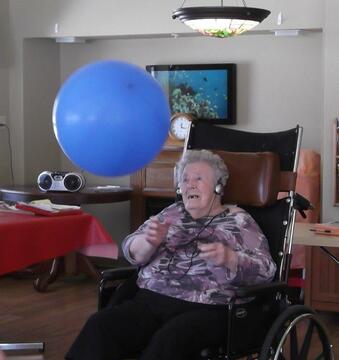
[{"x": 268, "y": 326}]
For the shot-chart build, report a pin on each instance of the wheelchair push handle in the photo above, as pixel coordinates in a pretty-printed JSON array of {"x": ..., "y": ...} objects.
[{"x": 301, "y": 204}]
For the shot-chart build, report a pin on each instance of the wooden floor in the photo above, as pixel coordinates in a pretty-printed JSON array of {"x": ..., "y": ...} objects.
[{"x": 55, "y": 317}]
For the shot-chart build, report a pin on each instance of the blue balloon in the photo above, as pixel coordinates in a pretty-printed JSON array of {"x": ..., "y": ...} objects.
[{"x": 111, "y": 118}]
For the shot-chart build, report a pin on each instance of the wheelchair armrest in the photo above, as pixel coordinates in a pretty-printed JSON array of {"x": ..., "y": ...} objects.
[
  {"x": 117, "y": 285},
  {"x": 262, "y": 289},
  {"x": 118, "y": 273}
]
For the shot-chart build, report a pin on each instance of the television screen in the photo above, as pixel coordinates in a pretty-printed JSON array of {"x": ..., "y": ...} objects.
[{"x": 207, "y": 91}]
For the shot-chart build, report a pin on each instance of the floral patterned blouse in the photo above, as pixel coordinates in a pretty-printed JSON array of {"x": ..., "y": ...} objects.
[{"x": 176, "y": 270}]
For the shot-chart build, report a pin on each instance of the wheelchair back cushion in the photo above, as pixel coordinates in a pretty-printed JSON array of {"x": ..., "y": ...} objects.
[{"x": 255, "y": 178}]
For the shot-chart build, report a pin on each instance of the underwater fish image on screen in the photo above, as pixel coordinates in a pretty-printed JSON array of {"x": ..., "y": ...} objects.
[{"x": 205, "y": 91}]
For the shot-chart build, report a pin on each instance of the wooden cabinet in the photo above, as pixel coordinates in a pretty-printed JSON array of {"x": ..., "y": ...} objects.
[
  {"x": 153, "y": 186},
  {"x": 322, "y": 288},
  {"x": 336, "y": 162}
]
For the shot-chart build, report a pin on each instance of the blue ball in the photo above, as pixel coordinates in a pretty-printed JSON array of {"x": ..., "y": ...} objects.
[{"x": 111, "y": 118}]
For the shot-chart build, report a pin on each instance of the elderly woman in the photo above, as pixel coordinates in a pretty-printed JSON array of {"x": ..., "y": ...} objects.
[{"x": 192, "y": 256}]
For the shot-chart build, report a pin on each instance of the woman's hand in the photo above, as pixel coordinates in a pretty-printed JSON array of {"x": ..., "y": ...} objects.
[
  {"x": 144, "y": 245},
  {"x": 219, "y": 255},
  {"x": 156, "y": 231}
]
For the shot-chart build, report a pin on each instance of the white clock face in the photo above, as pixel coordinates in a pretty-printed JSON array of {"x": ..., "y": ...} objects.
[{"x": 180, "y": 127}]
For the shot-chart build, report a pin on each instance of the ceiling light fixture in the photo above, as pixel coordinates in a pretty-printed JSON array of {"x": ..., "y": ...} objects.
[{"x": 221, "y": 21}]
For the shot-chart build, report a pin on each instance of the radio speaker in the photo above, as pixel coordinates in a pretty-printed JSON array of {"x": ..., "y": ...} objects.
[{"x": 60, "y": 181}]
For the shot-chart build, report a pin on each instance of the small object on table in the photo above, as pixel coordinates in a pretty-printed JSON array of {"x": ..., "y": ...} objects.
[
  {"x": 47, "y": 208},
  {"x": 330, "y": 228}
]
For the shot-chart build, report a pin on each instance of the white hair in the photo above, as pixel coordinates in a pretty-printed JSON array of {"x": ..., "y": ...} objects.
[{"x": 213, "y": 160}]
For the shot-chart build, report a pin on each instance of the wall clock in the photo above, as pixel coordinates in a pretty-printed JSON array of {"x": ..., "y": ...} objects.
[{"x": 180, "y": 124}]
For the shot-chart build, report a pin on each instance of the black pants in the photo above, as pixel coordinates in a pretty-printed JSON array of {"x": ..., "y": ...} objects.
[{"x": 155, "y": 326}]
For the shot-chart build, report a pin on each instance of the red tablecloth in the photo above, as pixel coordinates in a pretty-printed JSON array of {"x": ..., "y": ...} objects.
[{"x": 28, "y": 239}]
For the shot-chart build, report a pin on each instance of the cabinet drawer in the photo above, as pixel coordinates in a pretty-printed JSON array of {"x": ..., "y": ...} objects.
[
  {"x": 159, "y": 176},
  {"x": 169, "y": 157}
]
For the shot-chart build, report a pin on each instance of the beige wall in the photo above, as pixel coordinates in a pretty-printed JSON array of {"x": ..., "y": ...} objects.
[
  {"x": 276, "y": 90},
  {"x": 41, "y": 80},
  {"x": 5, "y": 172},
  {"x": 282, "y": 81}
]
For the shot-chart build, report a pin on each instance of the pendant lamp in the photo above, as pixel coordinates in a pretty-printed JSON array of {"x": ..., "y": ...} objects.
[{"x": 221, "y": 21}]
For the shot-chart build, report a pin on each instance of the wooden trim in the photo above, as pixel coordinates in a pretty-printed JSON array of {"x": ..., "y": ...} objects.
[{"x": 335, "y": 162}]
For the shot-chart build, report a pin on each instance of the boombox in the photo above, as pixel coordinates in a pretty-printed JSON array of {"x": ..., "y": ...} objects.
[{"x": 60, "y": 181}]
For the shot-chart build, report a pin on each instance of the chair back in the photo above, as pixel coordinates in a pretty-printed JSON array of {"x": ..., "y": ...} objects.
[
  {"x": 286, "y": 144},
  {"x": 260, "y": 165}
]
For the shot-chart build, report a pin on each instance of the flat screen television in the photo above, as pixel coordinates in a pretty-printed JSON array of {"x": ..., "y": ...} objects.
[{"x": 207, "y": 91}]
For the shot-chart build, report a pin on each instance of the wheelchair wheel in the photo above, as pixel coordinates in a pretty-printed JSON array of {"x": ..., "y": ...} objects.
[{"x": 297, "y": 334}]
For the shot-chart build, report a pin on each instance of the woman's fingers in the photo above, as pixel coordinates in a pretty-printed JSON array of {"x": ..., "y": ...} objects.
[
  {"x": 208, "y": 251},
  {"x": 219, "y": 255},
  {"x": 214, "y": 252},
  {"x": 210, "y": 248},
  {"x": 156, "y": 231}
]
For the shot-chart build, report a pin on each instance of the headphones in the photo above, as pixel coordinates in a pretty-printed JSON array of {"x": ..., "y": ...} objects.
[{"x": 218, "y": 190}]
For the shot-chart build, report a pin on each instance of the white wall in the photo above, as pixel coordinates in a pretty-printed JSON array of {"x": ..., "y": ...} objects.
[
  {"x": 275, "y": 89},
  {"x": 41, "y": 79},
  {"x": 5, "y": 171}
]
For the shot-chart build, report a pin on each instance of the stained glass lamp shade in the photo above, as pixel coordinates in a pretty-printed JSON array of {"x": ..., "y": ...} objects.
[{"x": 220, "y": 21}]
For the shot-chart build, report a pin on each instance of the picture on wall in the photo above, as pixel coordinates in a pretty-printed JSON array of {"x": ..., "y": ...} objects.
[{"x": 207, "y": 91}]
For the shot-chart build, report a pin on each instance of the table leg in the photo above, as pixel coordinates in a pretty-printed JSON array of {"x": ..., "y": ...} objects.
[
  {"x": 85, "y": 266},
  {"x": 70, "y": 262},
  {"x": 42, "y": 281},
  {"x": 74, "y": 263}
]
